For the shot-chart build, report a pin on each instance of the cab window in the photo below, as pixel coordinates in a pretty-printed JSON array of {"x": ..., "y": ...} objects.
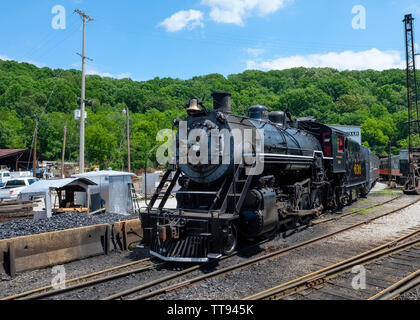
[
  {"x": 32, "y": 181},
  {"x": 340, "y": 144},
  {"x": 11, "y": 184}
]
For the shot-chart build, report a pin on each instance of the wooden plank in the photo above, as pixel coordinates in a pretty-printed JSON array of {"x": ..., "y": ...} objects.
[
  {"x": 58, "y": 247},
  {"x": 345, "y": 286},
  {"x": 66, "y": 210},
  {"x": 11, "y": 256},
  {"x": 42, "y": 250},
  {"x": 108, "y": 233},
  {"x": 15, "y": 208},
  {"x": 134, "y": 232},
  {"x": 18, "y": 202},
  {"x": 399, "y": 261},
  {"x": 124, "y": 237},
  {"x": 318, "y": 295},
  {"x": 338, "y": 292}
]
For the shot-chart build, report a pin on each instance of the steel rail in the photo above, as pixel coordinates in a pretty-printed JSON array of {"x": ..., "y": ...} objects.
[
  {"x": 402, "y": 286},
  {"x": 177, "y": 275},
  {"x": 320, "y": 276},
  {"x": 339, "y": 217},
  {"x": 243, "y": 264},
  {"x": 82, "y": 278}
]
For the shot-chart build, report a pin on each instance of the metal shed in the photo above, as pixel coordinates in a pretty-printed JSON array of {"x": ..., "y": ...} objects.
[
  {"x": 71, "y": 187},
  {"x": 113, "y": 190}
]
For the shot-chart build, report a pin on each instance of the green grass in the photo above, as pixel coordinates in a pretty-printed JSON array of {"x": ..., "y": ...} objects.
[
  {"x": 389, "y": 191},
  {"x": 364, "y": 211}
]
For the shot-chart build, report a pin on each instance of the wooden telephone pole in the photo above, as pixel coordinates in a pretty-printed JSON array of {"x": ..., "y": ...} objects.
[
  {"x": 128, "y": 141},
  {"x": 63, "y": 152},
  {"x": 86, "y": 19},
  {"x": 34, "y": 162}
]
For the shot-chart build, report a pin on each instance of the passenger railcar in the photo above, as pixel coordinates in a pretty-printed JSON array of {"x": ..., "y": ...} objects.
[{"x": 399, "y": 168}]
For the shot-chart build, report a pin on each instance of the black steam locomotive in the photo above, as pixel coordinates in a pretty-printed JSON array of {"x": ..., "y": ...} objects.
[{"x": 247, "y": 176}]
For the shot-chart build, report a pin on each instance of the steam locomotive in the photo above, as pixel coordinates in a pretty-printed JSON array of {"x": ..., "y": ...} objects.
[{"x": 245, "y": 177}]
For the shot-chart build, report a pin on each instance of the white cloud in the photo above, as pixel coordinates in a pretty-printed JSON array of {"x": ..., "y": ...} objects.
[
  {"x": 124, "y": 75},
  {"x": 414, "y": 8},
  {"x": 346, "y": 60},
  {"x": 35, "y": 63},
  {"x": 93, "y": 71},
  {"x": 183, "y": 19},
  {"x": 255, "y": 52},
  {"x": 236, "y": 11}
]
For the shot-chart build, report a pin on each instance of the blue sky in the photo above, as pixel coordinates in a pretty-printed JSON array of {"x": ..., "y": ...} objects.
[{"x": 185, "y": 38}]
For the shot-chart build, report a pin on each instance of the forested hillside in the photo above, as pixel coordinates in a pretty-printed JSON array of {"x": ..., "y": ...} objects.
[{"x": 374, "y": 100}]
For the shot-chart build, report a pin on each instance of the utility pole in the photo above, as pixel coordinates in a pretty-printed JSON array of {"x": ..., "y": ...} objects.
[
  {"x": 85, "y": 18},
  {"x": 34, "y": 154},
  {"x": 63, "y": 152},
  {"x": 128, "y": 139}
]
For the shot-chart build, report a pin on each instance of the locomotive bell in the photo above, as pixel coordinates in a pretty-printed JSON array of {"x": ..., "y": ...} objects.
[{"x": 192, "y": 106}]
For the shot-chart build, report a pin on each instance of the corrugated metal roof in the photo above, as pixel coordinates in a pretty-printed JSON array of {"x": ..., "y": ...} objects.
[
  {"x": 43, "y": 186},
  {"x": 103, "y": 173},
  {"x": 9, "y": 152}
]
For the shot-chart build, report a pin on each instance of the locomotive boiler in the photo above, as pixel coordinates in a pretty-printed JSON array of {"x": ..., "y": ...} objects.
[{"x": 244, "y": 177}]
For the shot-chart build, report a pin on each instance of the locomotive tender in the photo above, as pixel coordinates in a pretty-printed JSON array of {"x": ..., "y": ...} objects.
[{"x": 299, "y": 168}]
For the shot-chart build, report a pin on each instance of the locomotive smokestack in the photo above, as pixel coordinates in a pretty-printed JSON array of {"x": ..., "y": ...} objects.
[{"x": 221, "y": 101}]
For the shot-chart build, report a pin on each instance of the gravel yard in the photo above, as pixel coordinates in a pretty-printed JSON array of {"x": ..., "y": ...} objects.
[
  {"x": 64, "y": 221},
  {"x": 59, "y": 222}
]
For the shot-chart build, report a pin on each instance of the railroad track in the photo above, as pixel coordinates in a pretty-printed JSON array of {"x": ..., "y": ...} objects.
[
  {"x": 319, "y": 284},
  {"x": 340, "y": 216},
  {"x": 400, "y": 287},
  {"x": 133, "y": 293},
  {"x": 88, "y": 280},
  {"x": 146, "y": 265}
]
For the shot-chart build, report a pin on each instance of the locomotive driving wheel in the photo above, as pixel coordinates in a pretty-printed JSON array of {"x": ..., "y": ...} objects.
[{"x": 230, "y": 240}]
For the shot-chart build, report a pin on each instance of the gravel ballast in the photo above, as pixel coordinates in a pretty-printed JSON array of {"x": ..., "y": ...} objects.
[{"x": 63, "y": 221}]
